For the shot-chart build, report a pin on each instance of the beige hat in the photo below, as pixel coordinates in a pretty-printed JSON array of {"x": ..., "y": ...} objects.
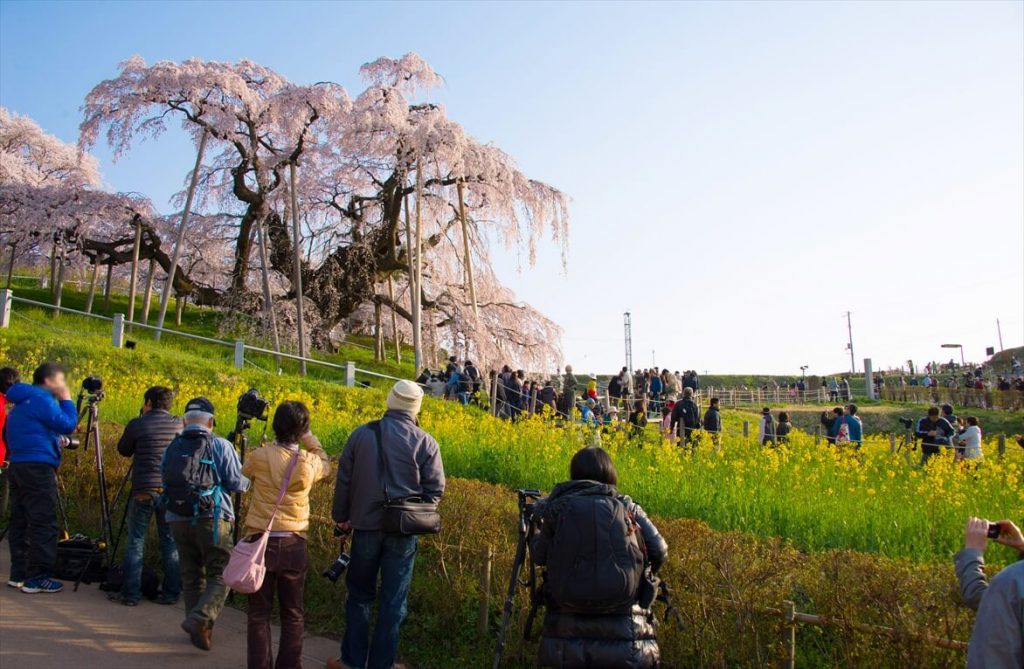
[{"x": 405, "y": 396}]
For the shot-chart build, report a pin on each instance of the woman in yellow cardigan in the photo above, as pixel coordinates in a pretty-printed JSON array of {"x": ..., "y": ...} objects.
[{"x": 286, "y": 557}]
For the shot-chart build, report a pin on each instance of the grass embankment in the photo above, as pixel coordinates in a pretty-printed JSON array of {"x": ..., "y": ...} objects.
[{"x": 817, "y": 498}]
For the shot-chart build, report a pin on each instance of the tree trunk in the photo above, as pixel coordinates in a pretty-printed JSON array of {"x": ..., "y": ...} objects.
[
  {"x": 147, "y": 296},
  {"x": 106, "y": 289},
  {"x": 394, "y": 322},
  {"x": 135, "y": 271},
  {"x": 92, "y": 283}
]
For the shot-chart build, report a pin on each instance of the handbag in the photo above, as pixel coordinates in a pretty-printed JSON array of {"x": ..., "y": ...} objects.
[
  {"x": 247, "y": 568},
  {"x": 404, "y": 515}
]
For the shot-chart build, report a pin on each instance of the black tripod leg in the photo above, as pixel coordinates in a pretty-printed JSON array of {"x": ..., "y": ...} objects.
[
  {"x": 124, "y": 515},
  {"x": 506, "y": 614}
]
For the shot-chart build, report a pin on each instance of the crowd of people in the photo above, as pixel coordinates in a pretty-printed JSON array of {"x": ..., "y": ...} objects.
[{"x": 184, "y": 477}]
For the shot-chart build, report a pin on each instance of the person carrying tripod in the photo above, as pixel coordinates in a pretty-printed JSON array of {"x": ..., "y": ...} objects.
[
  {"x": 43, "y": 413},
  {"x": 601, "y": 552},
  {"x": 144, "y": 440}
]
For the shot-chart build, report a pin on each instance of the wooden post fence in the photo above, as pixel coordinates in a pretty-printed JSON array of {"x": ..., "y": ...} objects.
[
  {"x": 788, "y": 635},
  {"x": 485, "y": 592}
]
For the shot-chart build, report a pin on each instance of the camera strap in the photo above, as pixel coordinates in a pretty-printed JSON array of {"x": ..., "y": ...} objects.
[{"x": 381, "y": 459}]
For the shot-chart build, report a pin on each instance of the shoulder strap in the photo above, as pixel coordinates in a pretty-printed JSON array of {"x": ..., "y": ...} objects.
[
  {"x": 284, "y": 487},
  {"x": 381, "y": 458}
]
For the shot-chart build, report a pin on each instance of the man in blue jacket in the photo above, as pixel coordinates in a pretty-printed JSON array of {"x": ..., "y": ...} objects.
[{"x": 43, "y": 412}]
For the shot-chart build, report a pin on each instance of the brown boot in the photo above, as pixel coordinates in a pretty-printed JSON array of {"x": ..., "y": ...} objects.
[{"x": 201, "y": 633}]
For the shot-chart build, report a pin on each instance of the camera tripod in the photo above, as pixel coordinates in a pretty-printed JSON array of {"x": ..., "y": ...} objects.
[
  {"x": 527, "y": 501},
  {"x": 92, "y": 435}
]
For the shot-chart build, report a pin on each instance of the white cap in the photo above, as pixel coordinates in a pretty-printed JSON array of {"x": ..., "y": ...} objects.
[{"x": 405, "y": 396}]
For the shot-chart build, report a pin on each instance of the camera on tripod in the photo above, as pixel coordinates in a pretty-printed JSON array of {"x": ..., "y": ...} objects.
[
  {"x": 907, "y": 423},
  {"x": 253, "y": 407},
  {"x": 338, "y": 567},
  {"x": 93, "y": 385}
]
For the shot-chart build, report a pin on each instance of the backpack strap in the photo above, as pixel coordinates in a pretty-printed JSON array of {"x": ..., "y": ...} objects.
[{"x": 381, "y": 458}]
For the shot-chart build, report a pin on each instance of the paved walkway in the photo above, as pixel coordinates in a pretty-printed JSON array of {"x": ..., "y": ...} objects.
[{"x": 82, "y": 630}]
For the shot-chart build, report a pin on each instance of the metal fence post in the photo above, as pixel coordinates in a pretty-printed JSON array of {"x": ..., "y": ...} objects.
[
  {"x": 485, "y": 592},
  {"x": 6, "y": 296},
  {"x": 239, "y": 354},
  {"x": 788, "y": 635},
  {"x": 350, "y": 374},
  {"x": 117, "y": 339}
]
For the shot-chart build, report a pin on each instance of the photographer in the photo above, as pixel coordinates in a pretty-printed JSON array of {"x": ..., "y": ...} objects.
[
  {"x": 8, "y": 377},
  {"x": 144, "y": 440},
  {"x": 685, "y": 418},
  {"x": 587, "y": 513},
  {"x": 286, "y": 556},
  {"x": 997, "y": 641},
  {"x": 934, "y": 431},
  {"x": 200, "y": 471},
  {"x": 43, "y": 412},
  {"x": 415, "y": 470}
]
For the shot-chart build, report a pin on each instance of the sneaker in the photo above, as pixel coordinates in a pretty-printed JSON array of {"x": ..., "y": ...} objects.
[
  {"x": 118, "y": 598},
  {"x": 166, "y": 600},
  {"x": 41, "y": 584},
  {"x": 15, "y": 584}
]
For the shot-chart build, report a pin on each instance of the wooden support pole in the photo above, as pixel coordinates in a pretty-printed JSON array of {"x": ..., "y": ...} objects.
[
  {"x": 148, "y": 294},
  {"x": 746, "y": 429},
  {"x": 485, "y": 592},
  {"x": 59, "y": 288},
  {"x": 179, "y": 307},
  {"x": 297, "y": 271},
  {"x": 92, "y": 283},
  {"x": 378, "y": 333},
  {"x": 135, "y": 271},
  {"x": 180, "y": 240},
  {"x": 467, "y": 247},
  {"x": 53, "y": 264},
  {"x": 268, "y": 303},
  {"x": 109, "y": 284},
  {"x": 892, "y": 444},
  {"x": 1001, "y": 445},
  {"x": 10, "y": 264},
  {"x": 394, "y": 322},
  {"x": 788, "y": 635}
]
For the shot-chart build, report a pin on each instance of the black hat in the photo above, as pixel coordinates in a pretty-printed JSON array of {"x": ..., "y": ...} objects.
[{"x": 199, "y": 405}]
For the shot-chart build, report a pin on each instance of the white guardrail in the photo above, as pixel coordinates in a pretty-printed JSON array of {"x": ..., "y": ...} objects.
[{"x": 117, "y": 337}]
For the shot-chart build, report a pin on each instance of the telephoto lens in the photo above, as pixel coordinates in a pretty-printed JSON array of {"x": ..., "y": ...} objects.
[{"x": 70, "y": 443}]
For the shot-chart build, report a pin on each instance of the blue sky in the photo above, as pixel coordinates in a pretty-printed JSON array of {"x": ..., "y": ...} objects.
[{"x": 741, "y": 173}]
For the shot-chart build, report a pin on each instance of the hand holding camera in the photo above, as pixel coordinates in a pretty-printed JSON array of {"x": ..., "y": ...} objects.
[
  {"x": 340, "y": 564},
  {"x": 979, "y": 531}
]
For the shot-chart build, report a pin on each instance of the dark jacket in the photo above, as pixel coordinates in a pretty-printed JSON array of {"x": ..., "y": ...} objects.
[
  {"x": 35, "y": 424},
  {"x": 687, "y": 414},
  {"x": 712, "y": 420},
  {"x": 623, "y": 640},
  {"x": 997, "y": 640},
  {"x": 414, "y": 466},
  {"x": 943, "y": 434},
  {"x": 144, "y": 440}
]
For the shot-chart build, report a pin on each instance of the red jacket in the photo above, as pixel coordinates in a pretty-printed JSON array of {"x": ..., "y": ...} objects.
[{"x": 3, "y": 421}]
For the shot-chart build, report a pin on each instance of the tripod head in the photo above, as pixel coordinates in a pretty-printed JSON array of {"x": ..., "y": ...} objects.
[{"x": 527, "y": 499}]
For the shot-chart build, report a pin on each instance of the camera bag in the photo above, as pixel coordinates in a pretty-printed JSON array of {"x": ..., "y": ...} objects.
[
  {"x": 411, "y": 515},
  {"x": 246, "y": 567}
]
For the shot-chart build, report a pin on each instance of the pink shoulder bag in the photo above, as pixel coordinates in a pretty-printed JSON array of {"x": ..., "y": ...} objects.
[{"x": 246, "y": 568}]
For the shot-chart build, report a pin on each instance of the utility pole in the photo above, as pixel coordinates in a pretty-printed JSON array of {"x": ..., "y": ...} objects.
[
  {"x": 653, "y": 364},
  {"x": 849, "y": 330},
  {"x": 999, "y": 329},
  {"x": 628, "y": 326}
]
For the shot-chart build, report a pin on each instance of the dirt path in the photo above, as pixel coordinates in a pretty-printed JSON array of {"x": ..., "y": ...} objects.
[{"x": 85, "y": 631}]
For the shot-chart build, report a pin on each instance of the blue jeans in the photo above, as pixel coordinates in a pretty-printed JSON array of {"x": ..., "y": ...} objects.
[
  {"x": 141, "y": 507},
  {"x": 393, "y": 556}
]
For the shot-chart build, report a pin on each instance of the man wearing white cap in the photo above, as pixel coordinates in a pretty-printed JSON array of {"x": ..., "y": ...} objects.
[{"x": 414, "y": 469}]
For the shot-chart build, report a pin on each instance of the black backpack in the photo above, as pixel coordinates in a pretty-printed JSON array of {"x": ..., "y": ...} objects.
[
  {"x": 191, "y": 487},
  {"x": 596, "y": 559},
  {"x": 691, "y": 414}
]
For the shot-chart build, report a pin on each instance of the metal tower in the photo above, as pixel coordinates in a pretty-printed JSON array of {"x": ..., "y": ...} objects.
[{"x": 629, "y": 342}]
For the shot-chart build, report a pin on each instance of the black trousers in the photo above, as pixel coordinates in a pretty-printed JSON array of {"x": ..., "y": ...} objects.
[{"x": 33, "y": 528}]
